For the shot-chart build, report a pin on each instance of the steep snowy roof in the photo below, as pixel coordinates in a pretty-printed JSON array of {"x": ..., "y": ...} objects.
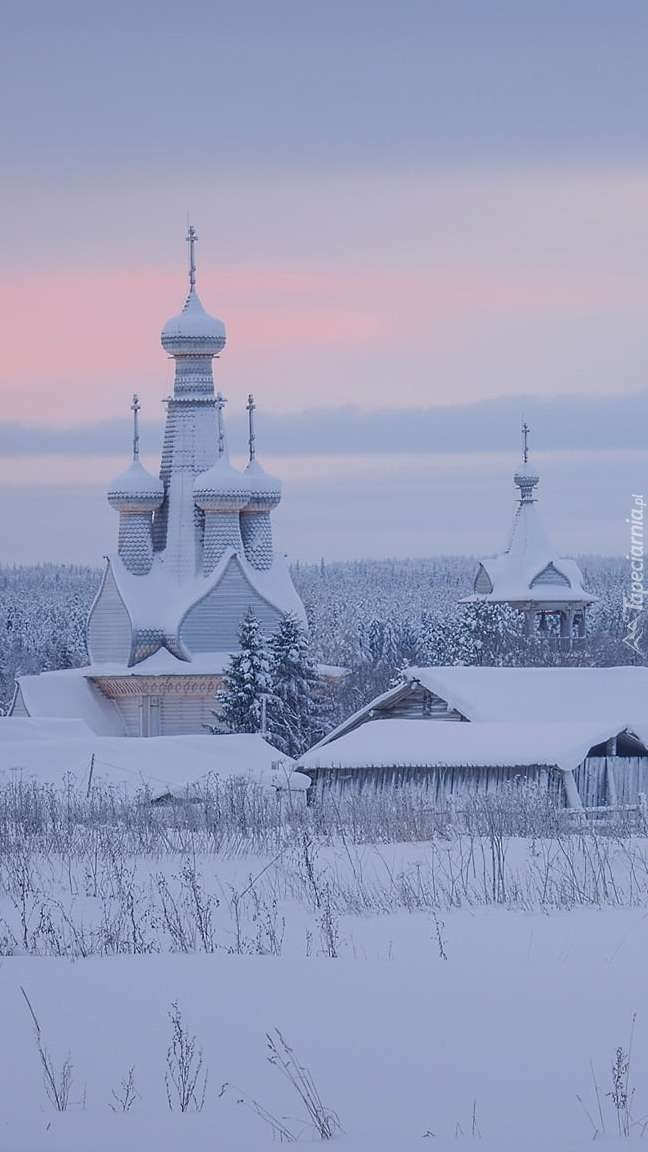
[
  {"x": 69, "y": 694},
  {"x": 517, "y": 574},
  {"x": 162, "y": 763},
  {"x": 530, "y": 568},
  {"x": 428, "y": 744}
]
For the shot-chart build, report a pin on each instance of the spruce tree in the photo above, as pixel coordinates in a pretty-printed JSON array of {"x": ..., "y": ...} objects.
[
  {"x": 297, "y": 712},
  {"x": 247, "y": 680}
]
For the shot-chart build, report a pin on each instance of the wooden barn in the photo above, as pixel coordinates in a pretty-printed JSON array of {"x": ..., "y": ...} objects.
[{"x": 581, "y": 732}]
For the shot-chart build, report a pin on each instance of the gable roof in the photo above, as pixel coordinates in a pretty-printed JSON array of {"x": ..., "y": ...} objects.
[{"x": 615, "y": 697}]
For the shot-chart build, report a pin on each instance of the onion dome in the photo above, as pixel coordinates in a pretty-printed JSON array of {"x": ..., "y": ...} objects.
[
  {"x": 193, "y": 331},
  {"x": 221, "y": 487},
  {"x": 265, "y": 490},
  {"x": 138, "y": 487}
]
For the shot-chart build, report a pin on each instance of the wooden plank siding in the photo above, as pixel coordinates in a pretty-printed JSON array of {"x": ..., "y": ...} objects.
[
  {"x": 629, "y": 780},
  {"x": 438, "y": 784}
]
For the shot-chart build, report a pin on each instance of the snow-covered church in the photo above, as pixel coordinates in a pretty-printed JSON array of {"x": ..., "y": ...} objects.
[{"x": 195, "y": 552}]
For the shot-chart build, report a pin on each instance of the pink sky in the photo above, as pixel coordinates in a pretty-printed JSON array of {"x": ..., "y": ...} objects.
[{"x": 300, "y": 335}]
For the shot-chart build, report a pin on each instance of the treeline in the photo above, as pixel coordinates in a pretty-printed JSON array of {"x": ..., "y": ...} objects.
[{"x": 372, "y": 616}]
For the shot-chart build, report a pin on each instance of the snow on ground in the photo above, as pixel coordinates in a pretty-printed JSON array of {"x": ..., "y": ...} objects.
[
  {"x": 398, "y": 1044},
  {"x": 160, "y": 763},
  {"x": 422, "y": 1022}
]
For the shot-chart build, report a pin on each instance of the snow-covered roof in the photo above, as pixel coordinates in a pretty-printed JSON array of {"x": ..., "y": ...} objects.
[
  {"x": 14, "y": 728},
  {"x": 164, "y": 663},
  {"x": 157, "y": 601},
  {"x": 617, "y": 698},
  {"x": 164, "y": 764},
  {"x": 530, "y": 570},
  {"x": 384, "y": 743},
  {"x": 68, "y": 694},
  {"x": 614, "y": 696},
  {"x": 136, "y": 483}
]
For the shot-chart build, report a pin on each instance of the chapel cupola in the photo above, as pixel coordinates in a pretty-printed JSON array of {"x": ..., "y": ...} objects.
[{"x": 136, "y": 494}]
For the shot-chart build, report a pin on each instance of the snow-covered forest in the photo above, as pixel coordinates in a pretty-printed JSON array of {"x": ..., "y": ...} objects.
[{"x": 372, "y": 616}]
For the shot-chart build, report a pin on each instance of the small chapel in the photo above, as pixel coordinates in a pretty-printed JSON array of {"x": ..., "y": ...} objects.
[
  {"x": 195, "y": 552},
  {"x": 530, "y": 575}
]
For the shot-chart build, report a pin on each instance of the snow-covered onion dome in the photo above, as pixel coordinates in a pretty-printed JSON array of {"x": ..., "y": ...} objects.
[
  {"x": 221, "y": 492},
  {"x": 136, "y": 494},
  {"x": 136, "y": 487},
  {"x": 265, "y": 494},
  {"x": 193, "y": 332}
]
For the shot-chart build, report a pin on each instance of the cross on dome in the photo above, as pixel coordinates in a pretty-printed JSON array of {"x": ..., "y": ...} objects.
[
  {"x": 250, "y": 409},
  {"x": 525, "y": 442},
  {"x": 135, "y": 409},
  {"x": 192, "y": 236}
]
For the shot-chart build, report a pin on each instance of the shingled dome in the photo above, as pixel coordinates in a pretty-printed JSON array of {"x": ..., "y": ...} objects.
[
  {"x": 193, "y": 330},
  {"x": 136, "y": 486}
]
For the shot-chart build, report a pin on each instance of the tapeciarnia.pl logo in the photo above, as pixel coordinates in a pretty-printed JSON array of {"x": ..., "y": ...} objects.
[{"x": 633, "y": 605}]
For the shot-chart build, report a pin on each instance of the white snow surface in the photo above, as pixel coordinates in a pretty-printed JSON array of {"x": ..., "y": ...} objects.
[
  {"x": 136, "y": 480},
  {"x": 161, "y": 763},
  {"x": 68, "y": 694},
  {"x": 400, "y": 1042},
  {"x": 612, "y": 697},
  {"x": 193, "y": 322},
  {"x": 14, "y": 728},
  {"x": 429, "y": 744},
  {"x": 157, "y": 600},
  {"x": 163, "y": 663}
]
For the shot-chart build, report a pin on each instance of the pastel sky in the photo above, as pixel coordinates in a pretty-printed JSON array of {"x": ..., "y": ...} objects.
[{"x": 417, "y": 220}]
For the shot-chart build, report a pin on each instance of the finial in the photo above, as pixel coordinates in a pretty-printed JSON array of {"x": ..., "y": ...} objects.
[
  {"x": 220, "y": 404},
  {"x": 251, "y": 406},
  {"x": 192, "y": 236},
  {"x": 525, "y": 442},
  {"x": 135, "y": 409}
]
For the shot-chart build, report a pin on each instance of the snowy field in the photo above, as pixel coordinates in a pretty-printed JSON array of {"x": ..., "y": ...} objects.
[{"x": 444, "y": 978}]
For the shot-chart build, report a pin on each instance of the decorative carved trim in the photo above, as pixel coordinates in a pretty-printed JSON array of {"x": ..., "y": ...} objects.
[{"x": 195, "y": 685}]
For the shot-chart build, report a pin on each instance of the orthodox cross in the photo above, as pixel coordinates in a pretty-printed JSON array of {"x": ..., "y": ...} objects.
[
  {"x": 252, "y": 437},
  {"x": 192, "y": 236},
  {"x": 220, "y": 404},
  {"x": 525, "y": 442},
  {"x": 135, "y": 409}
]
